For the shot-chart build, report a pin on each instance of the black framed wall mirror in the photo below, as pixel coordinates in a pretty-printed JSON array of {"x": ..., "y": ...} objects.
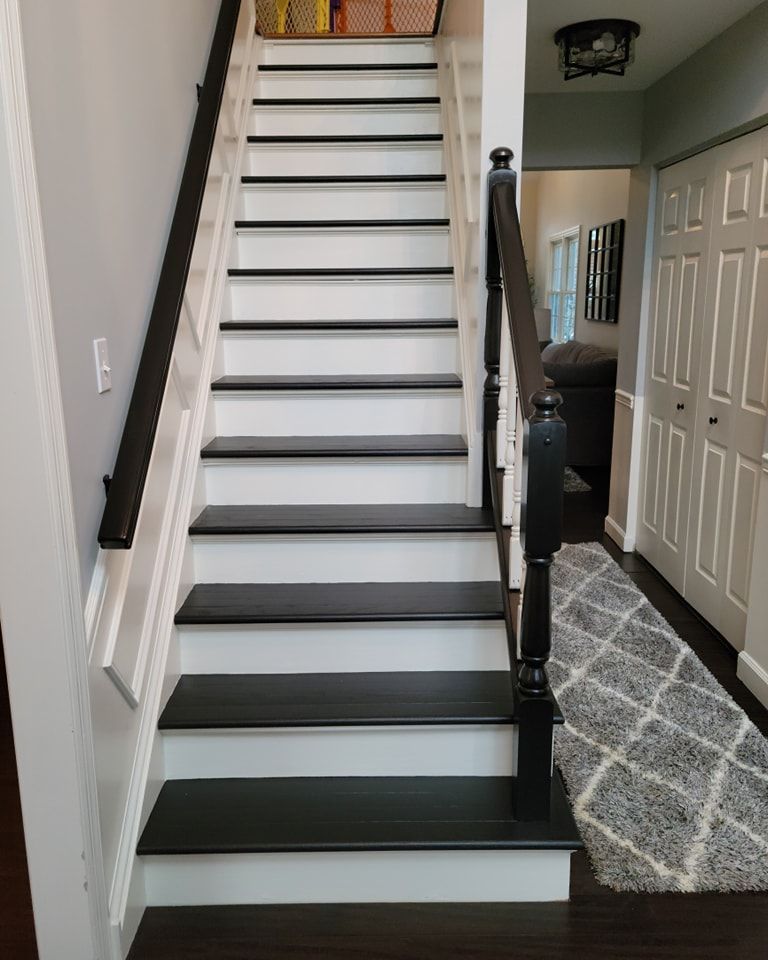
[{"x": 605, "y": 251}]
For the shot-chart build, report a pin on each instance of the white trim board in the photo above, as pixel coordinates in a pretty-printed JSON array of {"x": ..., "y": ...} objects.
[
  {"x": 619, "y": 535},
  {"x": 753, "y": 676},
  {"x": 40, "y": 599},
  {"x": 132, "y": 641}
]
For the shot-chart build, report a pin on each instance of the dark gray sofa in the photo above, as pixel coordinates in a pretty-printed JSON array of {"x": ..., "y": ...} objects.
[{"x": 585, "y": 376}]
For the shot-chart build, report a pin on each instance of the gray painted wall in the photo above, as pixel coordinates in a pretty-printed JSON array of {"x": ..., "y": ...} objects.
[
  {"x": 112, "y": 93},
  {"x": 722, "y": 88},
  {"x": 582, "y": 130}
]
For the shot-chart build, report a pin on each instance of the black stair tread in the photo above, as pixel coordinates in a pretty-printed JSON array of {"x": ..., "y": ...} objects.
[
  {"x": 349, "y": 138},
  {"x": 227, "y": 701},
  {"x": 252, "y": 325},
  {"x": 355, "y": 179},
  {"x": 406, "y": 445},
  {"x": 342, "y": 518},
  {"x": 345, "y": 101},
  {"x": 335, "y": 67},
  {"x": 222, "y": 603},
  {"x": 349, "y": 813},
  {"x": 331, "y": 272},
  {"x": 381, "y": 381},
  {"x": 337, "y": 224}
]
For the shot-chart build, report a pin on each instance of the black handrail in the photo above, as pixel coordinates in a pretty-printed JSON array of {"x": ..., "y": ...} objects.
[
  {"x": 438, "y": 17},
  {"x": 126, "y": 486},
  {"x": 543, "y": 462}
]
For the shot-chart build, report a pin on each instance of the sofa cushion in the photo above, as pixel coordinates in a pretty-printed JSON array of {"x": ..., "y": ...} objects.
[{"x": 575, "y": 364}]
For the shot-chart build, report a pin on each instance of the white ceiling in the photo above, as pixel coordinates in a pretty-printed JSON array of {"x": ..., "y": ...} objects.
[{"x": 671, "y": 30}]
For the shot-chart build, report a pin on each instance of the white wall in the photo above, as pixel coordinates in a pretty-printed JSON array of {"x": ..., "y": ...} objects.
[
  {"x": 112, "y": 91},
  {"x": 565, "y": 199}
]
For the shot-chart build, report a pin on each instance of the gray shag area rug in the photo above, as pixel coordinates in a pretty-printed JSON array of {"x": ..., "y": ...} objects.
[
  {"x": 573, "y": 483},
  {"x": 667, "y": 776}
]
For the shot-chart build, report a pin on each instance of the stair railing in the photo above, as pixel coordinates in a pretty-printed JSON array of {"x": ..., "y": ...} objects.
[
  {"x": 524, "y": 466},
  {"x": 125, "y": 487}
]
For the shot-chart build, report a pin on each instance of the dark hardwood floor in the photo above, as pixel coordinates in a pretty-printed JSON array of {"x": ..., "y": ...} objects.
[
  {"x": 17, "y": 934},
  {"x": 596, "y": 924}
]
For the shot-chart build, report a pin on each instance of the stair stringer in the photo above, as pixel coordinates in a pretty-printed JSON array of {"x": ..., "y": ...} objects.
[
  {"x": 134, "y": 594},
  {"x": 464, "y": 227}
]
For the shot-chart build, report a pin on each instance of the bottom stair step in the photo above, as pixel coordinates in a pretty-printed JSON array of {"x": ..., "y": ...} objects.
[{"x": 299, "y": 814}]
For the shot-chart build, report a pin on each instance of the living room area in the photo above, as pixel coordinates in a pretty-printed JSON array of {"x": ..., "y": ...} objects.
[{"x": 573, "y": 224}]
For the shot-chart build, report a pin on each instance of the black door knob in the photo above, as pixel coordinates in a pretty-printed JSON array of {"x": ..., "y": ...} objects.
[
  {"x": 712, "y": 421},
  {"x": 681, "y": 406}
]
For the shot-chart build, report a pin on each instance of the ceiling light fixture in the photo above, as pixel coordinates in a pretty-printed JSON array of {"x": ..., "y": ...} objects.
[{"x": 597, "y": 46}]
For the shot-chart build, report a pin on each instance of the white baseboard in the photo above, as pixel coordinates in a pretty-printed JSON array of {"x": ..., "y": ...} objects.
[
  {"x": 619, "y": 535},
  {"x": 753, "y": 676}
]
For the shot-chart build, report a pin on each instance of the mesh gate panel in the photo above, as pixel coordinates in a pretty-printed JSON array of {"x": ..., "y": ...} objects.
[{"x": 346, "y": 16}]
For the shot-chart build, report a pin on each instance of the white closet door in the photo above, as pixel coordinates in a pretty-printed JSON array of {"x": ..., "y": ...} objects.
[
  {"x": 732, "y": 390},
  {"x": 683, "y": 215}
]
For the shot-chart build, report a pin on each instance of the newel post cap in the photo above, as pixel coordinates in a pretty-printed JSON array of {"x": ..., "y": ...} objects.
[
  {"x": 502, "y": 157},
  {"x": 546, "y": 403}
]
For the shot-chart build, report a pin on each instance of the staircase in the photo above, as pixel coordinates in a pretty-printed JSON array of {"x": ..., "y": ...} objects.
[{"x": 345, "y": 724}]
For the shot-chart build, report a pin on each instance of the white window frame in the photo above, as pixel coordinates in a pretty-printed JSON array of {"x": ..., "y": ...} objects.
[{"x": 562, "y": 237}]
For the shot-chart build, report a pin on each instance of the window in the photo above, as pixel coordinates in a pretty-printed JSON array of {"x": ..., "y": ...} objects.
[{"x": 563, "y": 277}]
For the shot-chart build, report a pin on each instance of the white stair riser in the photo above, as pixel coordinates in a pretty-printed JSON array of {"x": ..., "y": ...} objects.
[
  {"x": 343, "y": 480},
  {"x": 348, "y": 83},
  {"x": 404, "y": 751},
  {"x": 280, "y": 353},
  {"x": 426, "y": 876},
  {"x": 363, "y": 247},
  {"x": 335, "y": 120},
  {"x": 345, "y": 559},
  {"x": 349, "y": 51},
  {"x": 344, "y": 647},
  {"x": 347, "y": 159},
  {"x": 343, "y": 202},
  {"x": 364, "y": 299},
  {"x": 343, "y": 413}
]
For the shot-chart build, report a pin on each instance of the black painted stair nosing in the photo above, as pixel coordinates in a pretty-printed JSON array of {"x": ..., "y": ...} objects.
[
  {"x": 332, "y": 325},
  {"x": 346, "y": 101},
  {"x": 413, "y": 138},
  {"x": 406, "y": 381},
  {"x": 337, "y": 67},
  {"x": 352, "y": 180},
  {"x": 212, "y": 604},
  {"x": 330, "y": 272},
  {"x": 363, "y": 447},
  {"x": 293, "y": 814},
  {"x": 383, "y": 224},
  {"x": 302, "y": 519},
  {"x": 259, "y": 701}
]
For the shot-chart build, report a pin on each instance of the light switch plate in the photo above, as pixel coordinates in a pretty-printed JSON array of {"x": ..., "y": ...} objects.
[{"x": 103, "y": 369}]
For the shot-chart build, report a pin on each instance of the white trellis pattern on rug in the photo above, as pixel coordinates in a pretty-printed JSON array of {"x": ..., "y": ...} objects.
[{"x": 667, "y": 775}]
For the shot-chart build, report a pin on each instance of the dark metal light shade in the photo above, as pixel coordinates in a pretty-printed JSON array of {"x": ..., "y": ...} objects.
[{"x": 597, "y": 46}]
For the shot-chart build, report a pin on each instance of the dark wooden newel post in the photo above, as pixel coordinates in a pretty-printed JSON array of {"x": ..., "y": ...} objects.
[{"x": 543, "y": 466}]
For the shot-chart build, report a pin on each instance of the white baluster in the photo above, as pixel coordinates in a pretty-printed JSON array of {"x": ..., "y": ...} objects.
[
  {"x": 515, "y": 419},
  {"x": 505, "y": 358},
  {"x": 510, "y": 433}
]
